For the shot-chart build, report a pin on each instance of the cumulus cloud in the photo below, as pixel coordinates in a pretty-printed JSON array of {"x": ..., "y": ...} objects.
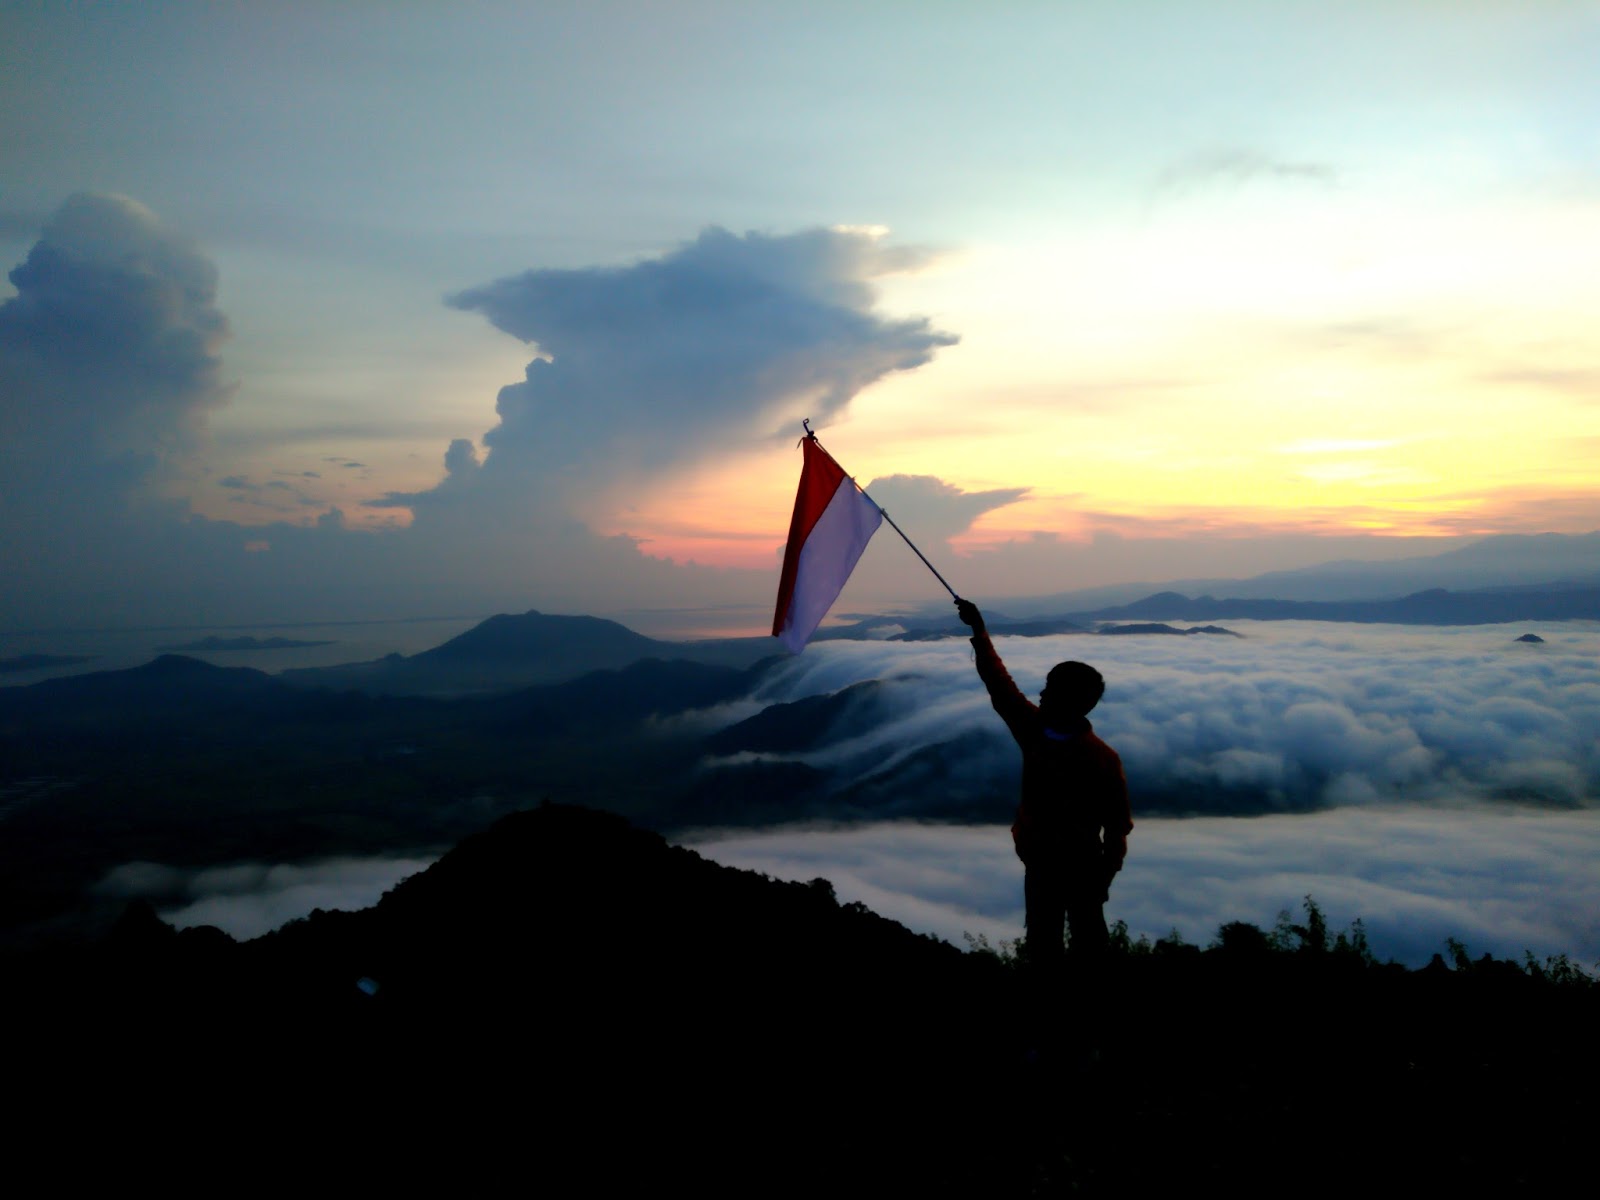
[
  {"x": 1293, "y": 716},
  {"x": 108, "y": 350},
  {"x": 716, "y": 344},
  {"x": 109, "y": 367},
  {"x": 461, "y": 466},
  {"x": 109, "y": 364},
  {"x": 710, "y": 348},
  {"x": 1500, "y": 881}
]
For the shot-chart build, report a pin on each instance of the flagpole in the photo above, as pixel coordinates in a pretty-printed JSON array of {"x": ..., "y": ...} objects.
[
  {"x": 910, "y": 543},
  {"x": 810, "y": 434}
]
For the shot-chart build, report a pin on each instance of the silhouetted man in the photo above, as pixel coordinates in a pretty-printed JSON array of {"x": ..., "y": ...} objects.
[{"x": 1073, "y": 821}]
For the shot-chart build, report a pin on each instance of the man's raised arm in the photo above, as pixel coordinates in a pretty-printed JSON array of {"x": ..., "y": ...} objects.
[{"x": 1004, "y": 694}]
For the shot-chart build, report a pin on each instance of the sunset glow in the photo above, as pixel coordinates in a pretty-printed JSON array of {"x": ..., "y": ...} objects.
[{"x": 1109, "y": 290}]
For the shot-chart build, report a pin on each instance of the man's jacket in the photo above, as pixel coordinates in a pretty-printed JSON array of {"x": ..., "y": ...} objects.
[{"x": 1073, "y": 787}]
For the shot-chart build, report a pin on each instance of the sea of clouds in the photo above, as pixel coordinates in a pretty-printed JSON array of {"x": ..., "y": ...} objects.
[
  {"x": 1292, "y": 716},
  {"x": 1502, "y": 881},
  {"x": 1506, "y": 881},
  {"x": 246, "y": 900},
  {"x": 1434, "y": 782}
]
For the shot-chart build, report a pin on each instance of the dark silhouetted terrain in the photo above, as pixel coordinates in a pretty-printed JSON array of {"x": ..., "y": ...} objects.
[
  {"x": 565, "y": 1004},
  {"x": 186, "y": 763}
]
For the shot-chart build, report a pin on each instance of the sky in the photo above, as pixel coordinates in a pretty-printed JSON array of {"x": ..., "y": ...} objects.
[{"x": 327, "y": 311}]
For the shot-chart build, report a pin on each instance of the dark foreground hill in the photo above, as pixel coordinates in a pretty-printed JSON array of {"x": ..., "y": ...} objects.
[{"x": 566, "y": 1005}]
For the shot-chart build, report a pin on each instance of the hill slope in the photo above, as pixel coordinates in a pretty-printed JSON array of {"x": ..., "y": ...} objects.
[{"x": 572, "y": 1003}]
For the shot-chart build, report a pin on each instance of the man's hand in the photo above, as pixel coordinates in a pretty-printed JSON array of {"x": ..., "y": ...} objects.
[{"x": 969, "y": 614}]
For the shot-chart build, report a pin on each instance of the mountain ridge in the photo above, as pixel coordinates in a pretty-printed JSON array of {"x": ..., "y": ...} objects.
[
  {"x": 509, "y": 651},
  {"x": 1434, "y": 606},
  {"x": 1499, "y": 560}
]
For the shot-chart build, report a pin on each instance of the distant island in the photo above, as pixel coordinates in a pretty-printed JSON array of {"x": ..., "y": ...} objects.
[
  {"x": 1157, "y": 627},
  {"x": 38, "y": 662},
  {"x": 907, "y": 629},
  {"x": 1436, "y": 606},
  {"x": 239, "y": 643}
]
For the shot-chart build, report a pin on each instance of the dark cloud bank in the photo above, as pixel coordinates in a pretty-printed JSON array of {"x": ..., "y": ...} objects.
[{"x": 110, "y": 362}]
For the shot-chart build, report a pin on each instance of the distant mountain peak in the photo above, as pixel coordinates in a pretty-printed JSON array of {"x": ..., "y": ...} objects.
[{"x": 538, "y": 634}]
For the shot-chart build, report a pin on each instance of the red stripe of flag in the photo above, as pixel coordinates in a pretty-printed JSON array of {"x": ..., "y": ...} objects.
[
  {"x": 833, "y": 522},
  {"x": 820, "y": 478}
]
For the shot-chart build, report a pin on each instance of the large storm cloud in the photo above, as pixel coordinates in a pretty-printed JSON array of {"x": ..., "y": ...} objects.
[
  {"x": 643, "y": 370},
  {"x": 716, "y": 344},
  {"x": 712, "y": 347},
  {"x": 108, "y": 368},
  {"x": 109, "y": 349}
]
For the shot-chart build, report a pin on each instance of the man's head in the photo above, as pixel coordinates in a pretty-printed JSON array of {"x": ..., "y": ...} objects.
[{"x": 1072, "y": 688}]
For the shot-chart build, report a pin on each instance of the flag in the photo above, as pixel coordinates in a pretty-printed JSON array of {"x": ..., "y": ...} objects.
[{"x": 833, "y": 522}]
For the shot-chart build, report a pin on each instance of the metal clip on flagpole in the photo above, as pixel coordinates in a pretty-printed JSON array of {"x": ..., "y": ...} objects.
[{"x": 806, "y": 424}]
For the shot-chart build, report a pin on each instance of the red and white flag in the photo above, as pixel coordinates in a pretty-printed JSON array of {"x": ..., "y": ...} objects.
[{"x": 833, "y": 522}]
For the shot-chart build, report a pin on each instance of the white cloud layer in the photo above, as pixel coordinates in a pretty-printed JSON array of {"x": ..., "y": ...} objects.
[
  {"x": 1500, "y": 881},
  {"x": 1293, "y": 716},
  {"x": 1410, "y": 742},
  {"x": 246, "y": 900}
]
